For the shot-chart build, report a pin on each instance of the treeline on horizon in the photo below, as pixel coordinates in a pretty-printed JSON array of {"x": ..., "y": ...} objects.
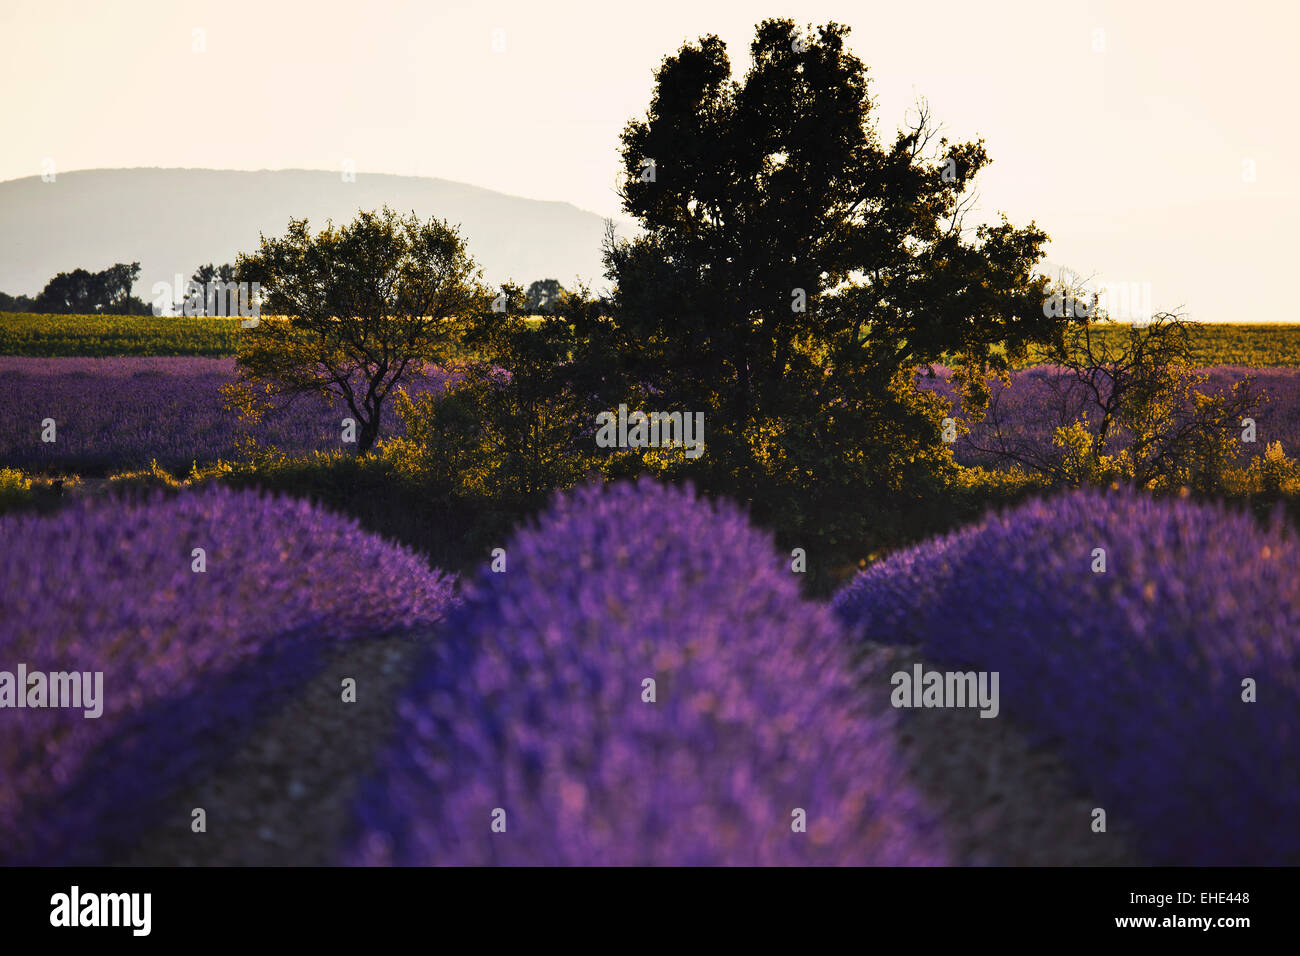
[
  {"x": 109, "y": 292},
  {"x": 81, "y": 292}
]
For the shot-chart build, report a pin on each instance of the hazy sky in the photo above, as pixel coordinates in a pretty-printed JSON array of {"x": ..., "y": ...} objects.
[{"x": 1156, "y": 142}]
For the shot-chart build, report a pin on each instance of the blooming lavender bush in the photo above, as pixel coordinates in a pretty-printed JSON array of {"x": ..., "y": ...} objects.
[
  {"x": 118, "y": 413},
  {"x": 532, "y": 702},
  {"x": 187, "y": 658},
  {"x": 1135, "y": 673}
]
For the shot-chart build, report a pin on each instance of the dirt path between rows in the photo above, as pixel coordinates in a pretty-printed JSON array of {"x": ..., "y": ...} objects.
[
  {"x": 284, "y": 798},
  {"x": 1004, "y": 802}
]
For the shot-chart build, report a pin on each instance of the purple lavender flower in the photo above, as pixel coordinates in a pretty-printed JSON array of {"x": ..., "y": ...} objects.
[
  {"x": 187, "y": 658},
  {"x": 1135, "y": 673},
  {"x": 533, "y": 702}
]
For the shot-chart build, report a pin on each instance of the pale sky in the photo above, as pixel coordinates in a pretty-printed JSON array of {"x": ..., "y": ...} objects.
[{"x": 1155, "y": 141}]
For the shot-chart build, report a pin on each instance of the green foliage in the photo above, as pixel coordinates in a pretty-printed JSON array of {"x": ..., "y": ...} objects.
[
  {"x": 20, "y": 492},
  {"x": 456, "y": 532},
  {"x": 1278, "y": 471},
  {"x": 1082, "y": 462},
  {"x": 513, "y": 427},
  {"x": 1271, "y": 474},
  {"x": 104, "y": 336},
  {"x": 1129, "y": 406},
  {"x": 155, "y": 477},
  {"x": 446, "y": 442}
]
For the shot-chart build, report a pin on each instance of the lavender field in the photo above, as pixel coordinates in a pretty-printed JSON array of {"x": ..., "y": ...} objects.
[
  {"x": 525, "y": 691},
  {"x": 868, "y": 444},
  {"x": 680, "y": 707},
  {"x": 120, "y": 413}
]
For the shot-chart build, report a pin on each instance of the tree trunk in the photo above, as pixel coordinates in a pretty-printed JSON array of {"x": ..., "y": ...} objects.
[{"x": 368, "y": 435}]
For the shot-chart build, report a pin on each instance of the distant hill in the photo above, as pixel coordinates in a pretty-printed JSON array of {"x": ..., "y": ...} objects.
[{"x": 173, "y": 220}]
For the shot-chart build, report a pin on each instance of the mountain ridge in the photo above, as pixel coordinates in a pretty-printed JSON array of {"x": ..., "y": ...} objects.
[{"x": 173, "y": 219}]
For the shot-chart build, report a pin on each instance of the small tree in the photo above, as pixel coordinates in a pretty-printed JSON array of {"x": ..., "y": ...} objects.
[
  {"x": 1127, "y": 402},
  {"x": 356, "y": 309}
]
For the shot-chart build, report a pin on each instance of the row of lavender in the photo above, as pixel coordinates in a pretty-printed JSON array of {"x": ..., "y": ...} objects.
[
  {"x": 181, "y": 621},
  {"x": 642, "y": 685},
  {"x": 121, "y": 413},
  {"x": 1155, "y": 644},
  {"x": 641, "y": 681}
]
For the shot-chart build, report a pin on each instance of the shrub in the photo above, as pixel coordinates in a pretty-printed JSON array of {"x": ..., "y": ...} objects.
[
  {"x": 1135, "y": 673},
  {"x": 15, "y": 490},
  {"x": 532, "y": 702},
  {"x": 514, "y": 428},
  {"x": 145, "y": 479},
  {"x": 1275, "y": 471},
  {"x": 187, "y": 658}
]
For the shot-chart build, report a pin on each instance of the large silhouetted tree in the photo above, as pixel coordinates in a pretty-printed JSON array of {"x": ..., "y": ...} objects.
[{"x": 795, "y": 270}]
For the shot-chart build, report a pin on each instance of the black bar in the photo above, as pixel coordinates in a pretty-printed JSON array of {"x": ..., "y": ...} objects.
[{"x": 654, "y": 906}]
